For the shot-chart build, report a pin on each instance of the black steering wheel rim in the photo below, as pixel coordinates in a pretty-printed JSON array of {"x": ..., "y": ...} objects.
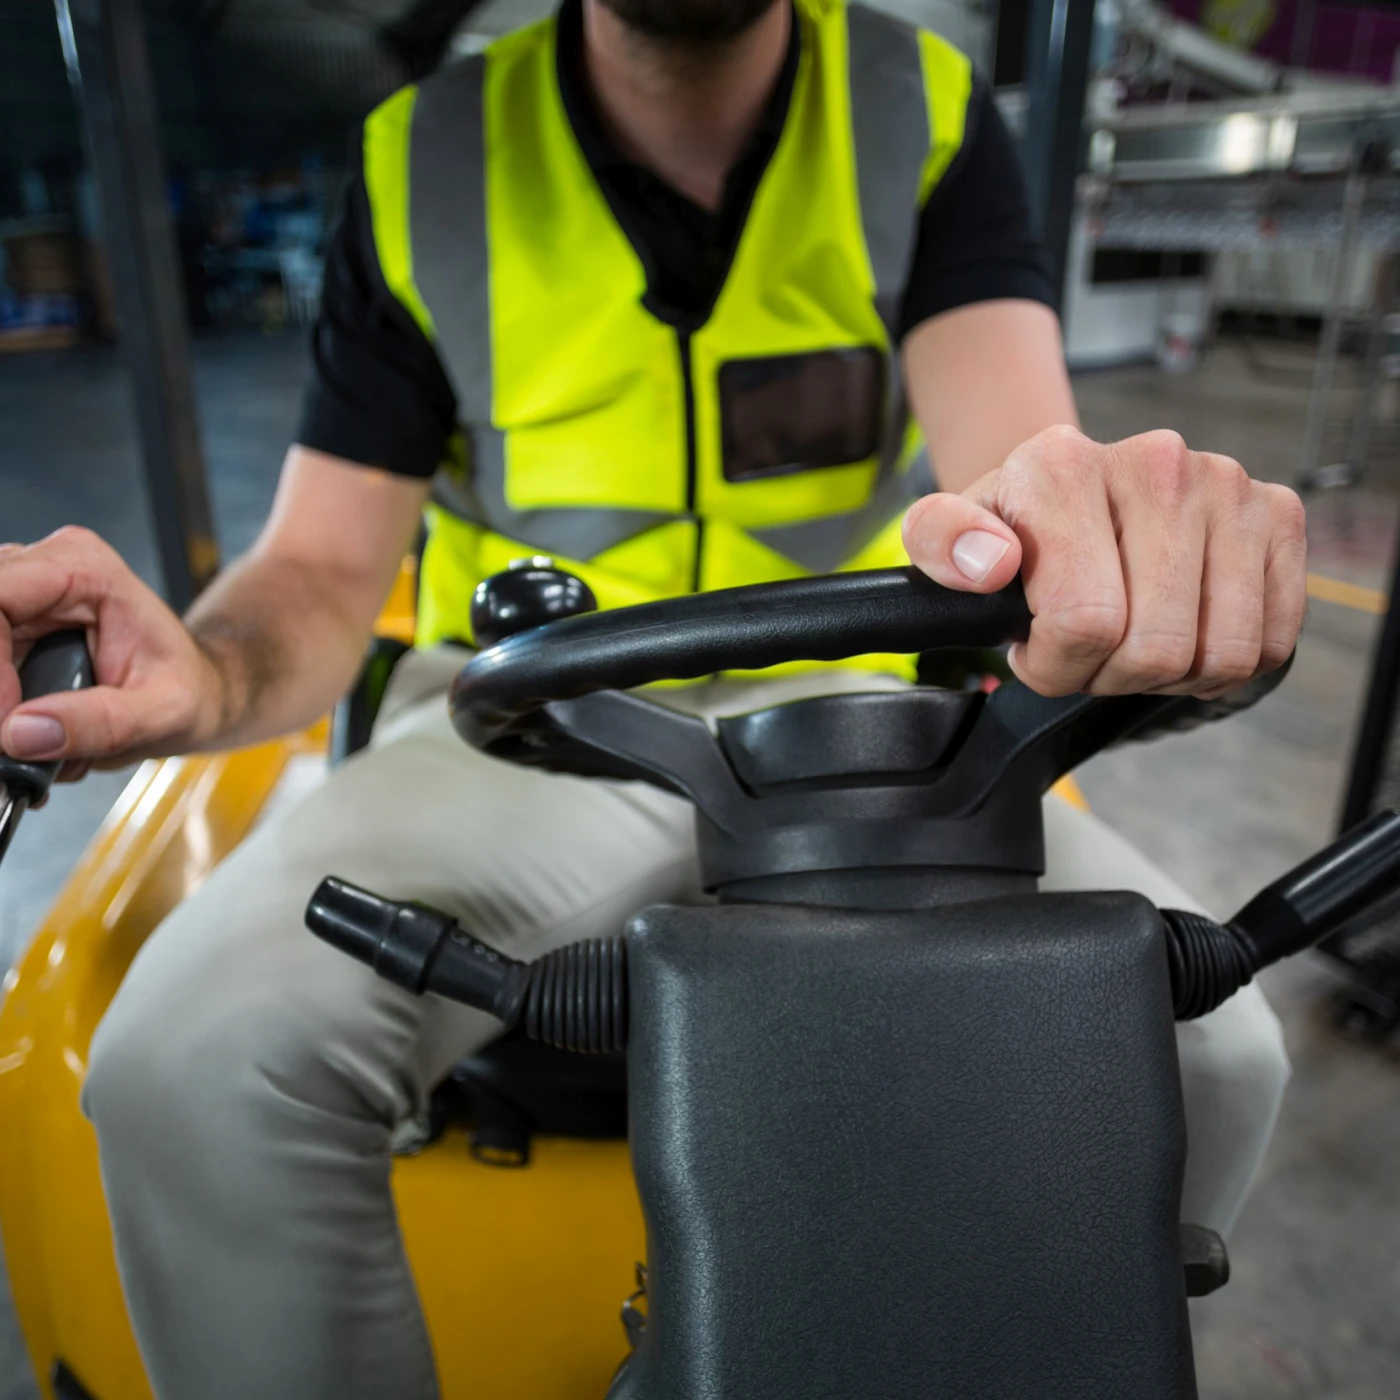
[
  {"x": 510, "y": 699},
  {"x": 829, "y": 618}
]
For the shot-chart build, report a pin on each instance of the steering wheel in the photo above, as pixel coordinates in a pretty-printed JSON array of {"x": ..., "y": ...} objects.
[{"x": 546, "y": 645}]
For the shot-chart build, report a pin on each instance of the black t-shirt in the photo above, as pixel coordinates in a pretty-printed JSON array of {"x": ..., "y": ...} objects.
[{"x": 378, "y": 393}]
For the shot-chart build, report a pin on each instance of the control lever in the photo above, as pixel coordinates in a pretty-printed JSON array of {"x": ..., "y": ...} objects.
[
  {"x": 574, "y": 998},
  {"x": 55, "y": 663},
  {"x": 1210, "y": 961},
  {"x": 1316, "y": 898}
]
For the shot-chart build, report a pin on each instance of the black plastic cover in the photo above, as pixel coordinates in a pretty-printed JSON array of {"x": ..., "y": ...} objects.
[
  {"x": 950, "y": 1167},
  {"x": 546, "y": 1092},
  {"x": 835, "y": 736}
]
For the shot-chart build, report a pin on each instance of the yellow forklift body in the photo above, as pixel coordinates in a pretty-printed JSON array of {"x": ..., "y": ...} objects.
[{"x": 522, "y": 1271}]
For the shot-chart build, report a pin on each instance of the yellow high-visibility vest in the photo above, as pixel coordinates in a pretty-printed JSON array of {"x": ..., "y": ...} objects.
[{"x": 772, "y": 440}]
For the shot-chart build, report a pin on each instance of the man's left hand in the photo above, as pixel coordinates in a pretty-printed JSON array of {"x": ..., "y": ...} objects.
[{"x": 1147, "y": 567}]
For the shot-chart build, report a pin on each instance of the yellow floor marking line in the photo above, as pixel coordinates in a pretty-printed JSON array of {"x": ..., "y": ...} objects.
[
  {"x": 1072, "y": 793},
  {"x": 1347, "y": 595}
]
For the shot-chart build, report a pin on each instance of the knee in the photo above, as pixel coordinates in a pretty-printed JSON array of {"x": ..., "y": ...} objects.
[
  {"x": 163, "y": 1060},
  {"x": 1234, "y": 1071},
  {"x": 1249, "y": 1050},
  {"x": 208, "y": 1057}
]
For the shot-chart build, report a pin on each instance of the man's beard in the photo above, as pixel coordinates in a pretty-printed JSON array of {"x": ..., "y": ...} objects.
[{"x": 689, "y": 21}]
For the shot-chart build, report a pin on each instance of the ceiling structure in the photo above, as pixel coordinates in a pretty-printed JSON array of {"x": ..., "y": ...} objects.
[
  {"x": 259, "y": 84},
  {"x": 421, "y": 33}
]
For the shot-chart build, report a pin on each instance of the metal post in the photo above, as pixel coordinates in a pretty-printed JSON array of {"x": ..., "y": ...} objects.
[
  {"x": 1369, "y": 759},
  {"x": 104, "y": 47},
  {"x": 1311, "y": 471},
  {"x": 1363, "y": 419},
  {"x": 1058, "y": 38}
]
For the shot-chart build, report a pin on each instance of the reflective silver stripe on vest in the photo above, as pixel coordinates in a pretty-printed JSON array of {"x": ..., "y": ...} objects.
[
  {"x": 890, "y": 115},
  {"x": 823, "y": 545},
  {"x": 479, "y": 495},
  {"x": 447, "y": 228},
  {"x": 447, "y": 225},
  {"x": 889, "y": 118}
]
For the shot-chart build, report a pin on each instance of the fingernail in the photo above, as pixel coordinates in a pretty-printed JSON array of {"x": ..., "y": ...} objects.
[
  {"x": 34, "y": 736},
  {"x": 978, "y": 552}
]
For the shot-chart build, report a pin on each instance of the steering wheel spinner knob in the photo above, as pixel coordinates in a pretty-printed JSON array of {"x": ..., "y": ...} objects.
[{"x": 530, "y": 593}]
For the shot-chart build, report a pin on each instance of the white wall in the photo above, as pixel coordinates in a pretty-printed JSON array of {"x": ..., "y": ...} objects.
[{"x": 1121, "y": 322}]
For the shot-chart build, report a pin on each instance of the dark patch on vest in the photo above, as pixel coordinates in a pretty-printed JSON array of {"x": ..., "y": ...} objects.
[{"x": 782, "y": 414}]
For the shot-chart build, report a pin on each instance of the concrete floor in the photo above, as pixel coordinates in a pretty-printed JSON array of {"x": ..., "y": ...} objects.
[{"x": 1314, "y": 1306}]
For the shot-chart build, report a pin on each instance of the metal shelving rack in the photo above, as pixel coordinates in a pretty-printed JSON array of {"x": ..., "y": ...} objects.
[{"x": 1303, "y": 170}]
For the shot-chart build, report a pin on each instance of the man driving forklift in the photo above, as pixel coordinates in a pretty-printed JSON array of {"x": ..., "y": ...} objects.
[{"x": 685, "y": 294}]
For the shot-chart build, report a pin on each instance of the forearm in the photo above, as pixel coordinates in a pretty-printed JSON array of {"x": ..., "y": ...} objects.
[
  {"x": 282, "y": 646},
  {"x": 983, "y": 380},
  {"x": 284, "y": 629}
]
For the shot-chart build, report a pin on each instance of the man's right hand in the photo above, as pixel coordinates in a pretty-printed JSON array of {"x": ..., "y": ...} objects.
[
  {"x": 156, "y": 691},
  {"x": 268, "y": 647}
]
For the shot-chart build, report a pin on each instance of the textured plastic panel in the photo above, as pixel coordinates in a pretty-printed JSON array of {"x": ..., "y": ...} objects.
[{"x": 908, "y": 1156}]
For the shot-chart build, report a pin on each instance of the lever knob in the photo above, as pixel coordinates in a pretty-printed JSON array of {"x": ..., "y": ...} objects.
[
  {"x": 528, "y": 594},
  {"x": 56, "y": 663},
  {"x": 1316, "y": 898}
]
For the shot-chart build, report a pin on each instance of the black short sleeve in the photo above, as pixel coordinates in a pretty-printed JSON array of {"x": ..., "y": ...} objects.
[
  {"x": 378, "y": 394},
  {"x": 975, "y": 241}
]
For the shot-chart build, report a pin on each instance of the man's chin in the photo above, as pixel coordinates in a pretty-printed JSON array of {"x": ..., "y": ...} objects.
[{"x": 690, "y": 21}]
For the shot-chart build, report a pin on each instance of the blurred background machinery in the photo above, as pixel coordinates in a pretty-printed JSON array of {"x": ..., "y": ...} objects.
[{"x": 1236, "y": 163}]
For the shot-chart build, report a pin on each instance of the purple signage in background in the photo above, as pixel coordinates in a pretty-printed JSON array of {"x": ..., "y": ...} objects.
[{"x": 1345, "y": 39}]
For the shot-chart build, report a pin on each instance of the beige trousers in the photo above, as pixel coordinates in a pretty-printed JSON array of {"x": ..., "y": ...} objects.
[{"x": 247, "y": 1079}]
